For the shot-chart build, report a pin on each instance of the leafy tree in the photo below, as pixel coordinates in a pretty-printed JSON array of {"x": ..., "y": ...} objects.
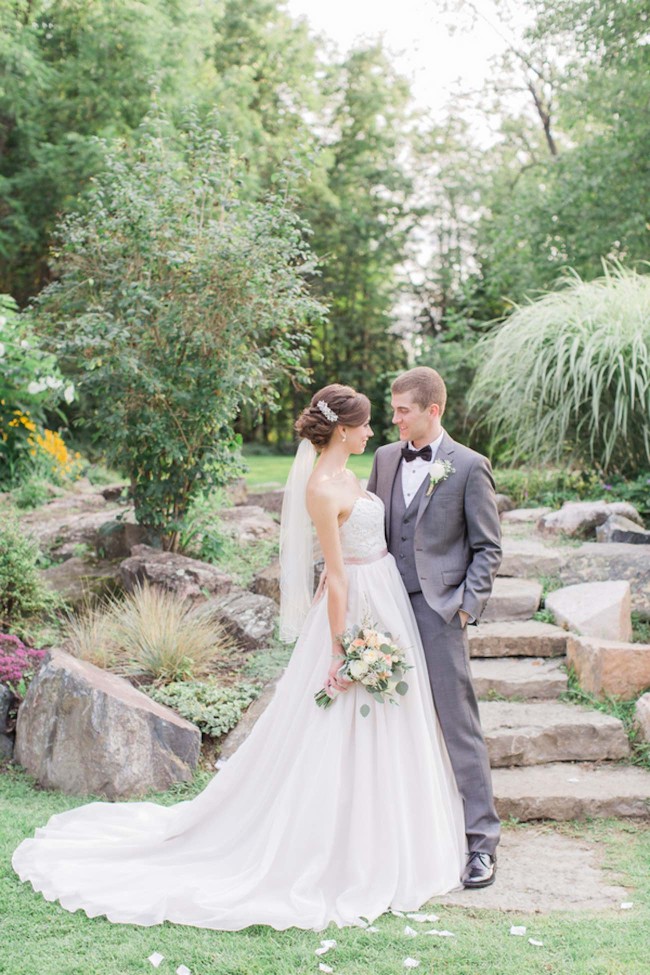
[
  {"x": 177, "y": 303},
  {"x": 70, "y": 71}
]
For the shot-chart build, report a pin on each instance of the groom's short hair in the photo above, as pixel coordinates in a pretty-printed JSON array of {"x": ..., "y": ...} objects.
[{"x": 426, "y": 385}]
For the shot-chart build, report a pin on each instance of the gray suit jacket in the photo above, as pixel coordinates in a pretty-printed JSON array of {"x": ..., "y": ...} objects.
[{"x": 457, "y": 534}]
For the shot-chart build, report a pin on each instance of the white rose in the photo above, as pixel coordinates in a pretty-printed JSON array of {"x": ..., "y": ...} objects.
[
  {"x": 437, "y": 471},
  {"x": 34, "y": 388},
  {"x": 68, "y": 393},
  {"x": 358, "y": 669},
  {"x": 53, "y": 383}
]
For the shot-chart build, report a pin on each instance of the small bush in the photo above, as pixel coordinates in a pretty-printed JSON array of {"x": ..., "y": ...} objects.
[
  {"x": 22, "y": 593},
  {"x": 212, "y": 708}
]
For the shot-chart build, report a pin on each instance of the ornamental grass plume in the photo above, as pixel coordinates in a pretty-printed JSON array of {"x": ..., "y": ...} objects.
[
  {"x": 166, "y": 636},
  {"x": 568, "y": 375}
]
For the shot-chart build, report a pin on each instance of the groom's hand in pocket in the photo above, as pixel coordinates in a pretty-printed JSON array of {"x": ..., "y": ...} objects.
[{"x": 463, "y": 618}]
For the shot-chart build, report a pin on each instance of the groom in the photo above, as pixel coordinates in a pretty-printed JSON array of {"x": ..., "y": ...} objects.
[{"x": 442, "y": 527}]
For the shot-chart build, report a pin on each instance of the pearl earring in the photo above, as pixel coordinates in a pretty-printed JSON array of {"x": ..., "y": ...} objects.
[{"x": 343, "y": 437}]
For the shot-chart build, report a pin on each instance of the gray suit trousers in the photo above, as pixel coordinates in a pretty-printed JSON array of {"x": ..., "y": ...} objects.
[{"x": 446, "y": 650}]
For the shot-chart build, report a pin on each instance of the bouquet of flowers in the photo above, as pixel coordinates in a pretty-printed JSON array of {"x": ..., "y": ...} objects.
[{"x": 372, "y": 659}]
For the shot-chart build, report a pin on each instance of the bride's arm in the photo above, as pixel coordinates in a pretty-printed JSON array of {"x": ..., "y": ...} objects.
[{"x": 324, "y": 510}]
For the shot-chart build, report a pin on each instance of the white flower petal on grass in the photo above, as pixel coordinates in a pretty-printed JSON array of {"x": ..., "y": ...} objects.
[
  {"x": 424, "y": 918},
  {"x": 397, "y": 913},
  {"x": 626, "y": 905},
  {"x": 518, "y": 930},
  {"x": 538, "y": 944},
  {"x": 441, "y": 934},
  {"x": 325, "y": 968},
  {"x": 411, "y": 963},
  {"x": 372, "y": 929},
  {"x": 409, "y": 932},
  {"x": 183, "y": 970},
  {"x": 325, "y": 946},
  {"x": 156, "y": 959}
]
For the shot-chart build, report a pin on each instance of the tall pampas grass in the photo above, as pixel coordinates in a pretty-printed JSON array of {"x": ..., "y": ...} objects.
[{"x": 567, "y": 376}]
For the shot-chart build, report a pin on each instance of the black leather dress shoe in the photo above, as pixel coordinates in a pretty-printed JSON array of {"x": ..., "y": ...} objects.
[{"x": 480, "y": 871}]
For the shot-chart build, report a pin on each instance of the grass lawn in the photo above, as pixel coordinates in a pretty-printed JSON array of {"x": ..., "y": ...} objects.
[
  {"x": 273, "y": 469},
  {"x": 39, "y": 938}
]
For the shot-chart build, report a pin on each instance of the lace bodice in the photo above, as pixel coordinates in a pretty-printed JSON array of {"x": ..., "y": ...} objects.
[{"x": 362, "y": 534}]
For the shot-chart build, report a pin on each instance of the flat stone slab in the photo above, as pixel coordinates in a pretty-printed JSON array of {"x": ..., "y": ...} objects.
[
  {"x": 77, "y": 580},
  {"x": 612, "y": 667},
  {"x": 579, "y": 519},
  {"x": 248, "y": 617},
  {"x": 539, "y": 872},
  {"x": 512, "y": 599},
  {"x": 598, "y": 609},
  {"x": 537, "y": 732},
  {"x": 524, "y": 516},
  {"x": 563, "y": 791},
  {"x": 528, "y": 677},
  {"x": 530, "y": 558},
  {"x": 526, "y": 638},
  {"x": 238, "y": 735},
  {"x": 600, "y": 561}
]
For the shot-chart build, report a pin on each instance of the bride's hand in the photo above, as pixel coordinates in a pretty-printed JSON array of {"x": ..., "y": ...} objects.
[{"x": 335, "y": 683}]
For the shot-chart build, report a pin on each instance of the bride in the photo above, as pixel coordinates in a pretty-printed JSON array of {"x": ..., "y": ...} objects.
[{"x": 322, "y": 816}]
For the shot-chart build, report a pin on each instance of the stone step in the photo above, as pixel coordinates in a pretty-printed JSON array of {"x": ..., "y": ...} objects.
[
  {"x": 525, "y": 638},
  {"x": 527, "y": 677},
  {"x": 537, "y": 732},
  {"x": 564, "y": 791},
  {"x": 512, "y": 599}
]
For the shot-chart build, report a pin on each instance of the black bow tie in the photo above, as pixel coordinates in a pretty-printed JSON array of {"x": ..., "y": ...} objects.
[{"x": 409, "y": 454}]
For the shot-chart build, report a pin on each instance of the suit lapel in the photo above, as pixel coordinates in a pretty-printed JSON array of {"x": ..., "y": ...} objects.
[
  {"x": 390, "y": 476},
  {"x": 445, "y": 452}
]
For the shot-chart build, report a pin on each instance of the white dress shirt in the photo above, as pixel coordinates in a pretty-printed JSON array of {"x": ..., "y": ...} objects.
[{"x": 416, "y": 470}]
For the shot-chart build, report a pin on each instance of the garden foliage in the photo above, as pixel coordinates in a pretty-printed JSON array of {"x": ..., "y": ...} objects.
[
  {"x": 177, "y": 304},
  {"x": 211, "y": 707},
  {"x": 21, "y": 591}
]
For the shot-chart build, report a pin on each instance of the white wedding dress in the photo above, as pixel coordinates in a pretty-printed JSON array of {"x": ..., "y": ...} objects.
[{"x": 321, "y": 816}]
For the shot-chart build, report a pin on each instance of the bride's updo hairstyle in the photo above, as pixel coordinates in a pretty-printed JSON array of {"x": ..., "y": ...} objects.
[{"x": 330, "y": 406}]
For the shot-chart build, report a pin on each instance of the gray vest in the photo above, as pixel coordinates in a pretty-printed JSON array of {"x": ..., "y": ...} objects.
[{"x": 401, "y": 543}]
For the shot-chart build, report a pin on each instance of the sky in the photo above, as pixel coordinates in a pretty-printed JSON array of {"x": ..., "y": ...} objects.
[{"x": 434, "y": 56}]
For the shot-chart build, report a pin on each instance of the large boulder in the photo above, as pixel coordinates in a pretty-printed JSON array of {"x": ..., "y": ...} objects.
[
  {"x": 598, "y": 609},
  {"x": 248, "y": 617},
  {"x": 270, "y": 500},
  {"x": 599, "y": 561},
  {"x": 642, "y": 716},
  {"x": 87, "y": 732},
  {"x": 267, "y": 582},
  {"x": 189, "y": 578},
  {"x": 6, "y": 741},
  {"x": 79, "y": 581},
  {"x": 249, "y": 523},
  {"x": 579, "y": 519},
  {"x": 620, "y": 529},
  {"x": 610, "y": 667}
]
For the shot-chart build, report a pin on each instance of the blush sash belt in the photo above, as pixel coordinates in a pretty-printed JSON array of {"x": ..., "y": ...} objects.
[{"x": 371, "y": 558}]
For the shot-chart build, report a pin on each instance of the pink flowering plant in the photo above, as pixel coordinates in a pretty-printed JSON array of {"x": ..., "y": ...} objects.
[{"x": 18, "y": 664}]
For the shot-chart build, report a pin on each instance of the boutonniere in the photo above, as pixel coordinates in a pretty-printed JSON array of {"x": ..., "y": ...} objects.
[{"x": 440, "y": 471}]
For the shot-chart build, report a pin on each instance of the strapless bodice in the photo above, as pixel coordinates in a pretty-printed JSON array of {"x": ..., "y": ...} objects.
[{"x": 363, "y": 535}]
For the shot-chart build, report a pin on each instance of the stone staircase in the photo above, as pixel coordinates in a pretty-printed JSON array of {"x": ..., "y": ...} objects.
[{"x": 550, "y": 759}]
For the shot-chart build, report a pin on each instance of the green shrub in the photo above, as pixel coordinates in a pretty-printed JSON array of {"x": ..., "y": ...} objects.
[
  {"x": 22, "y": 593},
  {"x": 567, "y": 377},
  {"x": 178, "y": 302},
  {"x": 212, "y": 708}
]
